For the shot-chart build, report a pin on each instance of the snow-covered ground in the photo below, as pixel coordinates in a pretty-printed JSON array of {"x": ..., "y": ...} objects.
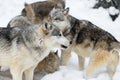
[{"x": 81, "y": 9}]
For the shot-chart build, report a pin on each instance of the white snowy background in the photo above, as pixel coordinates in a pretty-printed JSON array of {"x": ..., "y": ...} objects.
[{"x": 81, "y": 9}]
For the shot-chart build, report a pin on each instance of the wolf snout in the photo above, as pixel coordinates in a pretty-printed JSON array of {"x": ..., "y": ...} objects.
[
  {"x": 63, "y": 46},
  {"x": 66, "y": 45}
]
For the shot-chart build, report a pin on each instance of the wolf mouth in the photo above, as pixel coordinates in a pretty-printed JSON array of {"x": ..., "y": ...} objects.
[{"x": 63, "y": 46}]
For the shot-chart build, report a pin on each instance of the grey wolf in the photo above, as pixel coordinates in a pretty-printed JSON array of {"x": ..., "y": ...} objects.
[
  {"x": 46, "y": 65},
  {"x": 30, "y": 16},
  {"x": 21, "y": 49},
  {"x": 88, "y": 40}
]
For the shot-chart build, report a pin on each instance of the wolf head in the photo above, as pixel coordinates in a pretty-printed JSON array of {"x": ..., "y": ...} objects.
[
  {"x": 45, "y": 35},
  {"x": 54, "y": 37},
  {"x": 59, "y": 17}
]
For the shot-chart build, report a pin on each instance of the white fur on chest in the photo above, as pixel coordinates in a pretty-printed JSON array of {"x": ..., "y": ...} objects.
[{"x": 22, "y": 58}]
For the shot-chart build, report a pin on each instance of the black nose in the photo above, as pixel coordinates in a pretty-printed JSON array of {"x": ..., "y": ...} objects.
[
  {"x": 70, "y": 42},
  {"x": 46, "y": 25}
]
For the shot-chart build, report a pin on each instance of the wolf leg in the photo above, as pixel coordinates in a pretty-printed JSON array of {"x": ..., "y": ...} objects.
[
  {"x": 113, "y": 64},
  {"x": 29, "y": 73},
  {"x": 80, "y": 59},
  {"x": 98, "y": 59},
  {"x": 16, "y": 73},
  {"x": 65, "y": 56},
  {"x": 81, "y": 62}
]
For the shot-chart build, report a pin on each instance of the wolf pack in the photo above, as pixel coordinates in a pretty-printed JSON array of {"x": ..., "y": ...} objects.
[{"x": 26, "y": 43}]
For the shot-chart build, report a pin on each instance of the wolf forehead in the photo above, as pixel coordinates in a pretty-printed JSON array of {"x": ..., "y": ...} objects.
[
  {"x": 57, "y": 13},
  {"x": 55, "y": 30}
]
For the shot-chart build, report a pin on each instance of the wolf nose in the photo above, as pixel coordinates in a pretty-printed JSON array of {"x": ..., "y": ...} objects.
[
  {"x": 46, "y": 24},
  {"x": 70, "y": 42}
]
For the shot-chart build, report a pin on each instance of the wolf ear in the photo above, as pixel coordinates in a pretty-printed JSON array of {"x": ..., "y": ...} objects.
[
  {"x": 49, "y": 19},
  {"x": 66, "y": 11},
  {"x": 53, "y": 10},
  {"x": 46, "y": 28},
  {"x": 29, "y": 12},
  {"x": 56, "y": 52}
]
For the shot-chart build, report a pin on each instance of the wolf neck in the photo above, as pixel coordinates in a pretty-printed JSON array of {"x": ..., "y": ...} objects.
[
  {"x": 41, "y": 53},
  {"x": 74, "y": 23},
  {"x": 64, "y": 25},
  {"x": 37, "y": 48}
]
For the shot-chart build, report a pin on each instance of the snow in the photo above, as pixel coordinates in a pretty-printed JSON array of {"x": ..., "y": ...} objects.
[
  {"x": 81, "y": 9},
  {"x": 112, "y": 10}
]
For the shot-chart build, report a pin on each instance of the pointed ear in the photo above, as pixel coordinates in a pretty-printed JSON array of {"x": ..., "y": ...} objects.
[
  {"x": 30, "y": 12},
  {"x": 66, "y": 11},
  {"x": 46, "y": 28},
  {"x": 54, "y": 9},
  {"x": 56, "y": 52},
  {"x": 26, "y": 4},
  {"x": 49, "y": 19}
]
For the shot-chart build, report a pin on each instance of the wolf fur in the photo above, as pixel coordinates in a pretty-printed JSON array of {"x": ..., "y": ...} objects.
[
  {"x": 19, "y": 21},
  {"x": 21, "y": 49},
  {"x": 88, "y": 40},
  {"x": 59, "y": 18},
  {"x": 36, "y": 12},
  {"x": 42, "y": 9},
  {"x": 50, "y": 64}
]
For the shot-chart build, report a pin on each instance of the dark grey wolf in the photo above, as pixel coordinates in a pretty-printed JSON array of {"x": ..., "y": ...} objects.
[
  {"x": 88, "y": 40},
  {"x": 21, "y": 49},
  {"x": 42, "y": 9}
]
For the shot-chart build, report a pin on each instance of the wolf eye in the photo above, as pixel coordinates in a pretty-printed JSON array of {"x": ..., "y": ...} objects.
[{"x": 57, "y": 19}]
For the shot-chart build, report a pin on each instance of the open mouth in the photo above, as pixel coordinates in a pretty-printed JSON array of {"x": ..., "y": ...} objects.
[{"x": 63, "y": 46}]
